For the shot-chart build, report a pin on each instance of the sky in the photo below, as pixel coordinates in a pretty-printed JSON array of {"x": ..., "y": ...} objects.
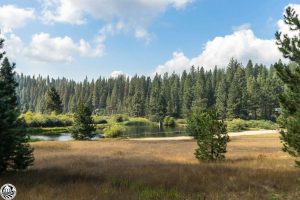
[{"x": 79, "y": 38}]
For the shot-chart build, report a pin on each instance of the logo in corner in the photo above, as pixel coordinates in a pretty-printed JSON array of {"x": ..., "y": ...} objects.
[{"x": 8, "y": 191}]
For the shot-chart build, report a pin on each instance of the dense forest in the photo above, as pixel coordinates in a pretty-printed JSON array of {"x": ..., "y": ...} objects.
[{"x": 247, "y": 92}]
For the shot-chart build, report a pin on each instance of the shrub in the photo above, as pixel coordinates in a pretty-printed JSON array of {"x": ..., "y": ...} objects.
[
  {"x": 240, "y": 125},
  {"x": 237, "y": 125},
  {"x": 169, "y": 121},
  {"x": 46, "y": 120},
  {"x": 113, "y": 131}
]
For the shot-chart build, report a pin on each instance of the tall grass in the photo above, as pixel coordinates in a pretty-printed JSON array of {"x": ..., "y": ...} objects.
[
  {"x": 137, "y": 121},
  {"x": 255, "y": 169}
]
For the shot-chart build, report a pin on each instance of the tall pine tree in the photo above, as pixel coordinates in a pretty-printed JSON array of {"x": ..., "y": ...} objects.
[
  {"x": 53, "y": 102},
  {"x": 290, "y": 99},
  {"x": 15, "y": 152}
]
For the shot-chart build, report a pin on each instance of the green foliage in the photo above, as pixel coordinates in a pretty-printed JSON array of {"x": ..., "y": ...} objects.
[
  {"x": 290, "y": 75},
  {"x": 154, "y": 118},
  {"x": 83, "y": 128},
  {"x": 113, "y": 131},
  {"x": 15, "y": 152},
  {"x": 211, "y": 135},
  {"x": 237, "y": 92},
  {"x": 53, "y": 102},
  {"x": 241, "y": 125},
  {"x": 137, "y": 121},
  {"x": 169, "y": 121},
  {"x": 47, "y": 120},
  {"x": 47, "y": 131}
]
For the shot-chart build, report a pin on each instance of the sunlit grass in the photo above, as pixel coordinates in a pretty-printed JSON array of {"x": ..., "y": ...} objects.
[{"x": 255, "y": 168}]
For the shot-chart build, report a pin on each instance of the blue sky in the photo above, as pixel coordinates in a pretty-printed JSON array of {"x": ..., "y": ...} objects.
[{"x": 78, "y": 38}]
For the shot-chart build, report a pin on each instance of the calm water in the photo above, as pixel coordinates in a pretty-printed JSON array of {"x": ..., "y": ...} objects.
[{"x": 131, "y": 131}]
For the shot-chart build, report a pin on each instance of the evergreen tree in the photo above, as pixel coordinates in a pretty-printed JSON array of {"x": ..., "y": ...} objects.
[
  {"x": 211, "y": 135},
  {"x": 83, "y": 128},
  {"x": 15, "y": 152},
  {"x": 221, "y": 99},
  {"x": 290, "y": 100},
  {"x": 53, "y": 102},
  {"x": 138, "y": 104}
]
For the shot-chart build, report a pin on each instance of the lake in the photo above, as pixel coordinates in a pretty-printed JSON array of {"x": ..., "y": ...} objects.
[{"x": 131, "y": 131}]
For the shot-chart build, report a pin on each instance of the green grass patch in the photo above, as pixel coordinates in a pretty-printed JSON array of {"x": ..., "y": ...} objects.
[
  {"x": 144, "y": 191},
  {"x": 47, "y": 131},
  {"x": 137, "y": 121}
]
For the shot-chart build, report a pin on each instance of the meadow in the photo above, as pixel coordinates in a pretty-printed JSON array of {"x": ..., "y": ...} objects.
[{"x": 255, "y": 168}]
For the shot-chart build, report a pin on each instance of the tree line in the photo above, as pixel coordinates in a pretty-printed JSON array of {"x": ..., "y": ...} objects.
[{"x": 247, "y": 92}]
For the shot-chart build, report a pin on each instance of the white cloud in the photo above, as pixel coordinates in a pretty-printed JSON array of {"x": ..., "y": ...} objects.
[
  {"x": 116, "y": 74},
  {"x": 242, "y": 45},
  {"x": 133, "y": 15},
  {"x": 12, "y": 17},
  {"x": 13, "y": 46},
  {"x": 285, "y": 28},
  {"x": 133, "y": 11},
  {"x": 44, "y": 48},
  {"x": 143, "y": 34}
]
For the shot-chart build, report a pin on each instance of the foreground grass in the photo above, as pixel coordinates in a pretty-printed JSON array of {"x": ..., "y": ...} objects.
[{"x": 255, "y": 168}]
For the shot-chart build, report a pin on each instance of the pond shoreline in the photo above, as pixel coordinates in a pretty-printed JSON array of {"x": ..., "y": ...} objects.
[{"x": 67, "y": 137}]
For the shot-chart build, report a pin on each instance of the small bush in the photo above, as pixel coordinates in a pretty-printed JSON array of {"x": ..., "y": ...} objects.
[
  {"x": 113, "y": 131},
  {"x": 237, "y": 125},
  {"x": 169, "y": 121}
]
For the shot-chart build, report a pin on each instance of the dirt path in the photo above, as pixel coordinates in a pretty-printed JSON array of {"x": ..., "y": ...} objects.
[{"x": 231, "y": 134}]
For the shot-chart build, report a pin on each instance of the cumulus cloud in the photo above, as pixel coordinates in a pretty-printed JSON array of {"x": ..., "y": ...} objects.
[
  {"x": 285, "y": 28},
  {"x": 44, "y": 48},
  {"x": 12, "y": 17},
  {"x": 135, "y": 15},
  {"x": 134, "y": 11},
  {"x": 242, "y": 45},
  {"x": 13, "y": 46}
]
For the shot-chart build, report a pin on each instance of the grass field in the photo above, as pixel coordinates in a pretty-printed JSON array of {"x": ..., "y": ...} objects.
[{"x": 255, "y": 168}]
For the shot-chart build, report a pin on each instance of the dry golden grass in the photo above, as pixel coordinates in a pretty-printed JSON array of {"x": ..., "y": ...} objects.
[{"x": 255, "y": 168}]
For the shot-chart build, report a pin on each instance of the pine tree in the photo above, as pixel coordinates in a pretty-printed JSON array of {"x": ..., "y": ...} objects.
[
  {"x": 221, "y": 98},
  {"x": 211, "y": 135},
  {"x": 290, "y": 100},
  {"x": 83, "y": 128},
  {"x": 138, "y": 104},
  {"x": 15, "y": 152},
  {"x": 53, "y": 102}
]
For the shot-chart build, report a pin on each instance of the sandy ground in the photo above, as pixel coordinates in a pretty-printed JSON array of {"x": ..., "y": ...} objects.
[{"x": 231, "y": 134}]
